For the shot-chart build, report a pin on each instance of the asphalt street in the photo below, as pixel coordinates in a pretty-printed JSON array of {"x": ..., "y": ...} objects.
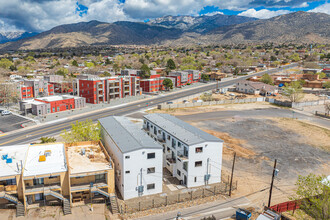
[{"x": 27, "y": 135}]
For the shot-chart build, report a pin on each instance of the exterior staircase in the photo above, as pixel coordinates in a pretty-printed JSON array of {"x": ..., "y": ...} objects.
[
  {"x": 100, "y": 191},
  {"x": 20, "y": 210},
  {"x": 113, "y": 203},
  {"x": 66, "y": 202}
]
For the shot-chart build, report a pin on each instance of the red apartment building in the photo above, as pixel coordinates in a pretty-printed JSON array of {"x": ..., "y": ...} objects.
[
  {"x": 52, "y": 104},
  {"x": 36, "y": 88},
  {"x": 101, "y": 90}
]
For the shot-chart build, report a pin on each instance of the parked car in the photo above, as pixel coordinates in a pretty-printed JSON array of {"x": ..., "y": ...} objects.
[
  {"x": 5, "y": 112},
  {"x": 169, "y": 103},
  {"x": 186, "y": 101}
]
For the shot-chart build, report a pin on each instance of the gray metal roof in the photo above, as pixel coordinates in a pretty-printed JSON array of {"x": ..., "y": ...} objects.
[
  {"x": 127, "y": 136},
  {"x": 180, "y": 129}
]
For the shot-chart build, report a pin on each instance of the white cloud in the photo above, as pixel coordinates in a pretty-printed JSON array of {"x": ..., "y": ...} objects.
[
  {"x": 263, "y": 13},
  {"x": 325, "y": 8},
  {"x": 214, "y": 13}
]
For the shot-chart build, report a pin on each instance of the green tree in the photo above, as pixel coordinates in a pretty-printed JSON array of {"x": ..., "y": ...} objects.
[
  {"x": 145, "y": 71},
  {"x": 89, "y": 64},
  {"x": 293, "y": 91},
  {"x": 116, "y": 67},
  {"x": 170, "y": 64},
  {"x": 326, "y": 85},
  {"x": 314, "y": 193},
  {"x": 294, "y": 57},
  {"x": 5, "y": 63},
  {"x": 63, "y": 72},
  {"x": 82, "y": 131},
  {"x": 266, "y": 79},
  {"x": 236, "y": 71},
  {"x": 322, "y": 75},
  {"x": 168, "y": 83},
  {"x": 74, "y": 63},
  {"x": 205, "y": 77},
  {"x": 44, "y": 140}
]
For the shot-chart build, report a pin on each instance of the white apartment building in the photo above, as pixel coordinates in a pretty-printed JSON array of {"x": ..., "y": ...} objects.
[
  {"x": 192, "y": 156},
  {"x": 137, "y": 157}
]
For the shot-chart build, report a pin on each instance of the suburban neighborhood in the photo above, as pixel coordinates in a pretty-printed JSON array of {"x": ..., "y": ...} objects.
[{"x": 141, "y": 132}]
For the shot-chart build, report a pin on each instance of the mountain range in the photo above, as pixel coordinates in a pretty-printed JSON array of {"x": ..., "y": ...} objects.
[
  {"x": 7, "y": 36},
  {"x": 297, "y": 27}
]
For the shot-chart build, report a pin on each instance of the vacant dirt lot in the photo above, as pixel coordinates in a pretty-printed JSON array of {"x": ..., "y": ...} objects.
[{"x": 300, "y": 148}]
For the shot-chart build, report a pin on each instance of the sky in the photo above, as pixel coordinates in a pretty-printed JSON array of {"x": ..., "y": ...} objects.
[{"x": 42, "y": 15}]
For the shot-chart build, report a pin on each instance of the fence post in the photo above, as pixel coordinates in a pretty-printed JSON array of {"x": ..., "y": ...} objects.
[
  {"x": 214, "y": 190},
  {"x": 125, "y": 211},
  {"x": 139, "y": 206},
  {"x": 236, "y": 185},
  {"x": 166, "y": 201},
  {"x": 153, "y": 203},
  {"x": 191, "y": 195},
  {"x": 203, "y": 192},
  {"x": 178, "y": 197}
]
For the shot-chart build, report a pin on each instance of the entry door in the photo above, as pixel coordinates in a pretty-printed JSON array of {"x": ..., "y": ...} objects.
[
  {"x": 38, "y": 197},
  {"x": 184, "y": 180}
]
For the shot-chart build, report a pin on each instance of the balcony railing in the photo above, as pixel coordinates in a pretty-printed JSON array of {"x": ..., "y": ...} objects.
[
  {"x": 42, "y": 187},
  {"x": 87, "y": 186}
]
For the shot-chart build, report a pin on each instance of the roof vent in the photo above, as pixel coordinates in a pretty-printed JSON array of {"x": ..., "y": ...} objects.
[
  {"x": 9, "y": 160},
  {"x": 48, "y": 153}
]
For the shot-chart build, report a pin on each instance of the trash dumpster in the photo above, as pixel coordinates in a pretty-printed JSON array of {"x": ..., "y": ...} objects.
[{"x": 243, "y": 214}]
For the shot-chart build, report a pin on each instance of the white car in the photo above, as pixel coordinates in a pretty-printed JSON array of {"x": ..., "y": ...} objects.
[{"x": 5, "y": 112}]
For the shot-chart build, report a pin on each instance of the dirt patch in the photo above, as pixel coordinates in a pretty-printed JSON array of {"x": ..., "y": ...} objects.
[
  {"x": 311, "y": 134},
  {"x": 232, "y": 145},
  {"x": 212, "y": 108}
]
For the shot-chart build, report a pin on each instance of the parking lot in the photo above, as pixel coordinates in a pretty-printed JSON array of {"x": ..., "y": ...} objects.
[{"x": 11, "y": 122}]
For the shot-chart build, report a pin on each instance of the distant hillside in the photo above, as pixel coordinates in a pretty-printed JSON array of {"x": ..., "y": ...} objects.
[
  {"x": 200, "y": 24},
  {"x": 14, "y": 35},
  {"x": 298, "y": 27}
]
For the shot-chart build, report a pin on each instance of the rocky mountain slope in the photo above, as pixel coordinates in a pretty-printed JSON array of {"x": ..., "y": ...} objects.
[
  {"x": 200, "y": 24},
  {"x": 298, "y": 27},
  {"x": 14, "y": 35}
]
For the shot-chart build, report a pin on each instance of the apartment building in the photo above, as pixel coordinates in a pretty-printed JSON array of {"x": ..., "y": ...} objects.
[
  {"x": 185, "y": 77},
  {"x": 137, "y": 157},
  {"x": 55, "y": 174},
  {"x": 52, "y": 104},
  {"x": 191, "y": 155},
  {"x": 102, "y": 90},
  {"x": 35, "y": 88}
]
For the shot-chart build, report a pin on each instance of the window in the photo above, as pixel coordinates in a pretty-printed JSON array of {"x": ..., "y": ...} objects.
[
  {"x": 11, "y": 182},
  {"x": 168, "y": 137},
  {"x": 67, "y": 107},
  {"x": 199, "y": 149},
  {"x": 178, "y": 172},
  {"x": 127, "y": 157},
  {"x": 168, "y": 149},
  {"x": 99, "y": 177},
  {"x": 198, "y": 163},
  {"x": 52, "y": 177},
  {"x": 173, "y": 143},
  {"x": 185, "y": 166},
  {"x": 127, "y": 171},
  {"x": 195, "y": 179},
  {"x": 159, "y": 131},
  {"x": 155, "y": 130},
  {"x": 38, "y": 181},
  {"x": 151, "y": 186},
  {"x": 53, "y": 109},
  {"x": 179, "y": 144},
  {"x": 78, "y": 177},
  {"x": 151, "y": 155},
  {"x": 58, "y": 109},
  {"x": 151, "y": 170}
]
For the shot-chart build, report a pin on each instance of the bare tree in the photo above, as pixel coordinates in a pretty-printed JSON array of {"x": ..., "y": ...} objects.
[{"x": 327, "y": 107}]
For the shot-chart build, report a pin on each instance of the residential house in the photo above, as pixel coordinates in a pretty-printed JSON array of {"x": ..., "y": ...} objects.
[{"x": 255, "y": 88}]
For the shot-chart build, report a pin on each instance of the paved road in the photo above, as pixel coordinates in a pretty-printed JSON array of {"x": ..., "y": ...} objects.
[
  {"x": 29, "y": 134},
  {"x": 219, "y": 209},
  {"x": 268, "y": 112},
  {"x": 11, "y": 123}
]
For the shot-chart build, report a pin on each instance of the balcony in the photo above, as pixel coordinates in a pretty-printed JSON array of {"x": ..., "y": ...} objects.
[
  {"x": 182, "y": 155},
  {"x": 8, "y": 188},
  {"x": 87, "y": 186},
  {"x": 41, "y": 188},
  {"x": 161, "y": 138}
]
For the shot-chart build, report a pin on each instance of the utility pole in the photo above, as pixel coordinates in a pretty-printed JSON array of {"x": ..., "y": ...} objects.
[
  {"x": 271, "y": 185},
  {"x": 232, "y": 175}
]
